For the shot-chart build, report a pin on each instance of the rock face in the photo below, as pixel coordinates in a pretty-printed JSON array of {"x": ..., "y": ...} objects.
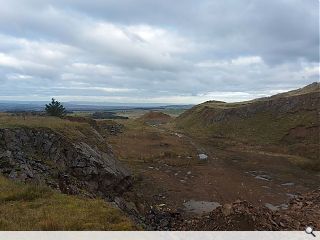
[{"x": 41, "y": 155}]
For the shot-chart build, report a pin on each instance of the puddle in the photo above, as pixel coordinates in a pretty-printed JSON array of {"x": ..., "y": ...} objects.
[
  {"x": 203, "y": 156},
  {"x": 200, "y": 207},
  {"x": 287, "y": 184},
  {"x": 290, "y": 195},
  {"x": 276, "y": 207},
  {"x": 263, "y": 177},
  {"x": 260, "y": 175}
]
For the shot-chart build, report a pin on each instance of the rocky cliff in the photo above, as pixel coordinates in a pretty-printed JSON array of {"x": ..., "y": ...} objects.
[{"x": 45, "y": 156}]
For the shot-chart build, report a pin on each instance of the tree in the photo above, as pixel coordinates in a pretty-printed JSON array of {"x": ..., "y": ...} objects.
[{"x": 55, "y": 108}]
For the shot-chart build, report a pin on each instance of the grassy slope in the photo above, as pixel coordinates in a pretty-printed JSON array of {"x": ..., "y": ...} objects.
[
  {"x": 141, "y": 143},
  {"x": 73, "y": 130},
  {"x": 31, "y": 207},
  {"x": 26, "y": 207},
  {"x": 68, "y": 128},
  {"x": 263, "y": 128}
]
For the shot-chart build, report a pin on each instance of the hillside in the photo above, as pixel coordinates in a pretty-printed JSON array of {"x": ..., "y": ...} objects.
[
  {"x": 73, "y": 173},
  {"x": 289, "y": 120},
  {"x": 154, "y": 118},
  {"x": 70, "y": 157},
  {"x": 32, "y": 207}
]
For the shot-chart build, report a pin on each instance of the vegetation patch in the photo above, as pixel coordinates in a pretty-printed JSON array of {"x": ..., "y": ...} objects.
[{"x": 30, "y": 207}]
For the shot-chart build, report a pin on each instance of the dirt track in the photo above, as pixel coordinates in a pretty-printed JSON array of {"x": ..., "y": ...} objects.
[{"x": 191, "y": 186}]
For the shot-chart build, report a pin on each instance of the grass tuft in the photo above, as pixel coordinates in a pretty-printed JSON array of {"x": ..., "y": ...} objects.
[{"x": 25, "y": 207}]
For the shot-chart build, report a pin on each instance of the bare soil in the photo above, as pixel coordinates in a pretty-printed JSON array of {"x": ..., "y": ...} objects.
[{"x": 169, "y": 173}]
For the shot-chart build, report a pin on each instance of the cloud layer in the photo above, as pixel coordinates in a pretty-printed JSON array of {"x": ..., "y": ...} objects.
[{"x": 156, "y": 51}]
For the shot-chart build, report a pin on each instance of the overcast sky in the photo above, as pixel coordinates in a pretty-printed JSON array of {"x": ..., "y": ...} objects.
[{"x": 160, "y": 51}]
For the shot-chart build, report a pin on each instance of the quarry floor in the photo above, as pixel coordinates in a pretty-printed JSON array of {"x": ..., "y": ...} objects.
[{"x": 170, "y": 175}]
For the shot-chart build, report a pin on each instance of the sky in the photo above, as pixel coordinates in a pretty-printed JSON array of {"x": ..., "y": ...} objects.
[{"x": 160, "y": 51}]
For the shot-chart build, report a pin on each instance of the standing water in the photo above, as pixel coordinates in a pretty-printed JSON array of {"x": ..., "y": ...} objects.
[{"x": 200, "y": 207}]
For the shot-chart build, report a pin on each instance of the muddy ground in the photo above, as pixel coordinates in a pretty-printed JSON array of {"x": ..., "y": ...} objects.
[{"x": 171, "y": 176}]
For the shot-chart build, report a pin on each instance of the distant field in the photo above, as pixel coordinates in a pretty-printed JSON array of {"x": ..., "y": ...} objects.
[
  {"x": 80, "y": 113},
  {"x": 136, "y": 113}
]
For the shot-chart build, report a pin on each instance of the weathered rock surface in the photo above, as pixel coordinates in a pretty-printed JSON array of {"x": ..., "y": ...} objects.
[
  {"x": 112, "y": 127},
  {"x": 44, "y": 156}
]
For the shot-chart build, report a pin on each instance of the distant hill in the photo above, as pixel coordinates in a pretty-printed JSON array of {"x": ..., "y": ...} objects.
[
  {"x": 19, "y": 106},
  {"x": 154, "y": 118},
  {"x": 311, "y": 88},
  {"x": 287, "y": 119}
]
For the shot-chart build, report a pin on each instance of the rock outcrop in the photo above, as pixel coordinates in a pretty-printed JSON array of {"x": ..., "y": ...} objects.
[
  {"x": 110, "y": 127},
  {"x": 44, "y": 156}
]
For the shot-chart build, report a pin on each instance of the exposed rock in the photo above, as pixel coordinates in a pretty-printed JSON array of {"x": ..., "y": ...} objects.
[
  {"x": 41, "y": 155},
  {"x": 112, "y": 127},
  {"x": 227, "y": 209},
  {"x": 301, "y": 212},
  {"x": 203, "y": 156},
  {"x": 108, "y": 127}
]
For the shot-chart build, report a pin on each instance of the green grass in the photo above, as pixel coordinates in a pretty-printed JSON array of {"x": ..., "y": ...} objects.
[
  {"x": 34, "y": 207},
  {"x": 173, "y": 112},
  {"x": 80, "y": 114},
  {"x": 73, "y": 130},
  {"x": 261, "y": 128},
  {"x": 64, "y": 126}
]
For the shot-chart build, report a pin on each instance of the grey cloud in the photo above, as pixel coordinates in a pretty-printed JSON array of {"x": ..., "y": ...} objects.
[
  {"x": 277, "y": 30},
  {"x": 162, "y": 49}
]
